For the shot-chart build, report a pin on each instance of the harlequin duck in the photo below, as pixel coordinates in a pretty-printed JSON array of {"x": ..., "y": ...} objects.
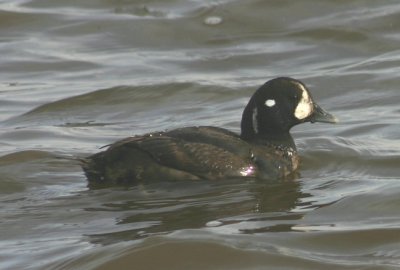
[{"x": 264, "y": 149}]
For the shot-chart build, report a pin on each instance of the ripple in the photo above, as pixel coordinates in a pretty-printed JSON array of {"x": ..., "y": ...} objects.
[
  {"x": 64, "y": 64},
  {"x": 213, "y": 20}
]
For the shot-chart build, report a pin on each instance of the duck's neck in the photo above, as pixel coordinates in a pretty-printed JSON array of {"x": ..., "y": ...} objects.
[
  {"x": 279, "y": 140},
  {"x": 275, "y": 133}
]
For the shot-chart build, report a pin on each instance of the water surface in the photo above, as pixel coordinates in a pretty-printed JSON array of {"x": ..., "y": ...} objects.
[{"x": 76, "y": 76}]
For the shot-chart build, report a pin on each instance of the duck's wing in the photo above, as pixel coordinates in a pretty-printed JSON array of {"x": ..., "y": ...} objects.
[
  {"x": 219, "y": 137},
  {"x": 136, "y": 159},
  {"x": 200, "y": 158}
]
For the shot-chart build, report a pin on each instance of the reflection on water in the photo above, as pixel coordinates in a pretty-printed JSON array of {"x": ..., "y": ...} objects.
[
  {"x": 78, "y": 76},
  {"x": 165, "y": 209}
]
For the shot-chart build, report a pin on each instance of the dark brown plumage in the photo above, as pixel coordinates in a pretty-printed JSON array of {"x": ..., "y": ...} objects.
[{"x": 265, "y": 148}]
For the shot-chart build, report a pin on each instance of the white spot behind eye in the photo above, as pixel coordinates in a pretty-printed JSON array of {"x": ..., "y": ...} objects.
[
  {"x": 254, "y": 118},
  {"x": 270, "y": 102},
  {"x": 305, "y": 106}
]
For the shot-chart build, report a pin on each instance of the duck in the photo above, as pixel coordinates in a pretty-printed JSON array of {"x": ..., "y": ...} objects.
[{"x": 264, "y": 149}]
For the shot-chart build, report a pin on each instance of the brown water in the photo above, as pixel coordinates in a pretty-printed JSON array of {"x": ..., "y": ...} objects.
[{"x": 76, "y": 75}]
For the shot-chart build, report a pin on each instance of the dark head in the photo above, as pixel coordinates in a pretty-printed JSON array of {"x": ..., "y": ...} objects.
[{"x": 277, "y": 106}]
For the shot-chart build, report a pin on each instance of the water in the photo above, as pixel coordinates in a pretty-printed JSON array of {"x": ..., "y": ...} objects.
[{"x": 75, "y": 76}]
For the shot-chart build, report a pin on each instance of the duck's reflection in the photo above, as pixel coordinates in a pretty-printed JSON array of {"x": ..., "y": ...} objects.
[{"x": 258, "y": 207}]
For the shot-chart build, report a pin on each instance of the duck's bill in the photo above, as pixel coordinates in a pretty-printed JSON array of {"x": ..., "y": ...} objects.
[{"x": 322, "y": 116}]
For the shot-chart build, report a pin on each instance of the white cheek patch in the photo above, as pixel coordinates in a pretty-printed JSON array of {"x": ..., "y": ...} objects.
[
  {"x": 305, "y": 107},
  {"x": 270, "y": 103},
  {"x": 255, "y": 120}
]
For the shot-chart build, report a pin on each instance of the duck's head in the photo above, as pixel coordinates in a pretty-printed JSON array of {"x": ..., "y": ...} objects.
[{"x": 277, "y": 106}]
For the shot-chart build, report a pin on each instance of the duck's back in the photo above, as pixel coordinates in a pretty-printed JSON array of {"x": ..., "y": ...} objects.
[{"x": 185, "y": 153}]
